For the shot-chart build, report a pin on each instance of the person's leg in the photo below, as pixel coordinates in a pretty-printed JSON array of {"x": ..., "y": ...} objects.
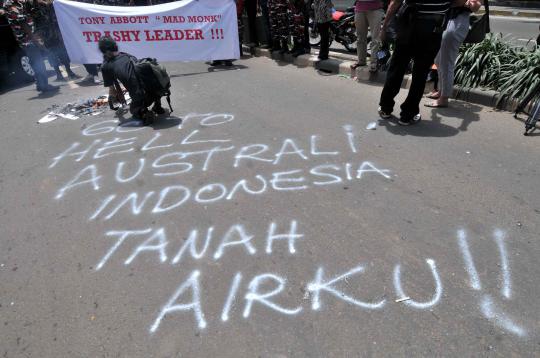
[
  {"x": 273, "y": 8},
  {"x": 361, "y": 23},
  {"x": 453, "y": 37},
  {"x": 305, "y": 11},
  {"x": 375, "y": 18},
  {"x": 54, "y": 61},
  {"x": 251, "y": 9},
  {"x": 435, "y": 94},
  {"x": 394, "y": 76},
  {"x": 324, "y": 31},
  {"x": 92, "y": 76},
  {"x": 38, "y": 65},
  {"x": 91, "y": 69},
  {"x": 425, "y": 48},
  {"x": 297, "y": 29},
  {"x": 266, "y": 21},
  {"x": 157, "y": 108},
  {"x": 283, "y": 23},
  {"x": 65, "y": 60},
  {"x": 139, "y": 106}
]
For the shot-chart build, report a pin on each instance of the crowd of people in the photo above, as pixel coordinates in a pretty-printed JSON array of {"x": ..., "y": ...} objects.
[{"x": 427, "y": 32}]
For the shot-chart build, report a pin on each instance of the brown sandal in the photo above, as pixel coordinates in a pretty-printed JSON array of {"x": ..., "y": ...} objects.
[
  {"x": 355, "y": 65},
  {"x": 433, "y": 95}
]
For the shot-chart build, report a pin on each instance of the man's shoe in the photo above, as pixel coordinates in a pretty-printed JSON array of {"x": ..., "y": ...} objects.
[
  {"x": 383, "y": 114},
  {"x": 407, "y": 121},
  {"x": 215, "y": 63},
  {"x": 48, "y": 88},
  {"x": 73, "y": 76},
  {"x": 227, "y": 63},
  {"x": 89, "y": 79},
  {"x": 148, "y": 118},
  {"x": 60, "y": 78},
  {"x": 158, "y": 110},
  {"x": 299, "y": 52}
]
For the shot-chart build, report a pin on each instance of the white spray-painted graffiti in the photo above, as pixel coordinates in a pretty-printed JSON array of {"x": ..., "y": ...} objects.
[
  {"x": 275, "y": 167},
  {"x": 488, "y": 308}
]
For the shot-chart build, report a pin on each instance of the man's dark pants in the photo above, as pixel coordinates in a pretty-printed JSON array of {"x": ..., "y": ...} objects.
[
  {"x": 140, "y": 101},
  {"x": 35, "y": 54},
  {"x": 251, "y": 9},
  {"x": 324, "y": 31},
  {"x": 92, "y": 69},
  {"x": 422, "y": 45},
  {"x": 266, "y": 19}
]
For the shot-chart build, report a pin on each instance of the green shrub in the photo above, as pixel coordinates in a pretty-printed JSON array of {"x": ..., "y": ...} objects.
[{"x": 495, "y": 64}]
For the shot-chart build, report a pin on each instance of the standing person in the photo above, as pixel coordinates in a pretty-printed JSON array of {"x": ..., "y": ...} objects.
[
  {"x": 323, "y": 16},
  {"x": 297, "y": 22},
  {"x": 266, "y": 19},
  {"x": 279, "y": 24},
  {"x": 92, "y": 68},
  {"x": 239, "y": 11},
  {"x": 251, "y": 10},
  {"x": 419, "y": 33},
  {"x": 452, "y": 38},
  {"x": 18, "y": 13},
  {"x": 48, "y": 29},
  {"x": 368, "y": 13},
  {"x": 119, "y": 66}
]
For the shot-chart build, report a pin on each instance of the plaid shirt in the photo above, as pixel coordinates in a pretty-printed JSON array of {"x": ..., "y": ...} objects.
[{"x": 18, "y": 15}]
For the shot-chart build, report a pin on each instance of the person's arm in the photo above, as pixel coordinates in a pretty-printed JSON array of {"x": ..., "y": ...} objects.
[
  {"x": 473, "y": 5},
  {"x": 392, "y": 9}
]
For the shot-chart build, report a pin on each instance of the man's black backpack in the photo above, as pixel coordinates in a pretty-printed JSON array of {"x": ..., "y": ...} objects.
[{"x": 154, "y": 78}]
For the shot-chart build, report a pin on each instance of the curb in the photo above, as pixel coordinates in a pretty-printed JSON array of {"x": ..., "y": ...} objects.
[
  {"x": 511, "y": 13},
  {"x": 340, "y": 63}
]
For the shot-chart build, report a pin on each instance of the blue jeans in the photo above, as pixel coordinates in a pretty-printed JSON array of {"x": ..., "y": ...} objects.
[{"x": 37, "y": 61}]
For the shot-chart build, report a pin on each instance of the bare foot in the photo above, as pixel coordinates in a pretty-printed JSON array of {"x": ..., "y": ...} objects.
[{"x": 434, "y": 95}]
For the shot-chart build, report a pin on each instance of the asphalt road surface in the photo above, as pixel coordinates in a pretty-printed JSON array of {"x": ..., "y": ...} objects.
[
  {"x": 517, "y": 28},
  {"x": 262, "y": 219}
]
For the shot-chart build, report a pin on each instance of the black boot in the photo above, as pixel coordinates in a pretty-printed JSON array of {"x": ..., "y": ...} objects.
[
  {"x": 284, "y": 47},
  {"x": 276, "y": 46},
  {"x": 298, "y": 49}
]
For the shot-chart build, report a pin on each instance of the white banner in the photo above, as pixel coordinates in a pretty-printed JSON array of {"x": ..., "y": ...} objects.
[{"x": 188, "y": 30}]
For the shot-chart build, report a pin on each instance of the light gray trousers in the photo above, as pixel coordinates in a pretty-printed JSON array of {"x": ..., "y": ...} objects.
[
  {"x": 454, "y": 35},
  {"x": 363, "y": 20}
]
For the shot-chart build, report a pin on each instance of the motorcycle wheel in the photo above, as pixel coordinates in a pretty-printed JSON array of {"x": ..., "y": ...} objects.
[
  {"x": 350, "y": 39},
  {"x": 314, "y": 36}
]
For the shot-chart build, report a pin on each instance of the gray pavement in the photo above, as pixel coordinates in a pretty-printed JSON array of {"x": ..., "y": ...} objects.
[
  {"x": 519, "y": 30},
  {"x": 262, "y": 219}
]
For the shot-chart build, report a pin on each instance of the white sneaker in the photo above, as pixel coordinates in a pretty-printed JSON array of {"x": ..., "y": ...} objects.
[
  {"x": 383, "y": 114},
  {"x": 91, "y": 79}
]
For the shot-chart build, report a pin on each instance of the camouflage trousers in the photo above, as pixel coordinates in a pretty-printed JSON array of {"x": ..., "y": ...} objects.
[{"x": 286, "y": 21}]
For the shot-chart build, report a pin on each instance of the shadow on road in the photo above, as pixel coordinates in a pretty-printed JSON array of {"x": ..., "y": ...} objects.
[
  {"x": 422, "y": 129},
  {"x": 211, "y": 69},
  {"x": 467, "y": 112},
  {"x": 43, "y": 95},
  {"x": 166, "y": 122}
]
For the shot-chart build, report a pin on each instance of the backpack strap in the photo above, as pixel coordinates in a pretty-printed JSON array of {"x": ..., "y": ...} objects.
[{"x": 169, "y": 100}]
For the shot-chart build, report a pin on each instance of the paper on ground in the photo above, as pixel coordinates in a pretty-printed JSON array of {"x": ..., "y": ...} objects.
[{"x": 48, "y": 118}]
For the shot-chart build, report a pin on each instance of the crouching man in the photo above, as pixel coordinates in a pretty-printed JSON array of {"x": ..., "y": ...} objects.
[{"x": 120, "y": 66}]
